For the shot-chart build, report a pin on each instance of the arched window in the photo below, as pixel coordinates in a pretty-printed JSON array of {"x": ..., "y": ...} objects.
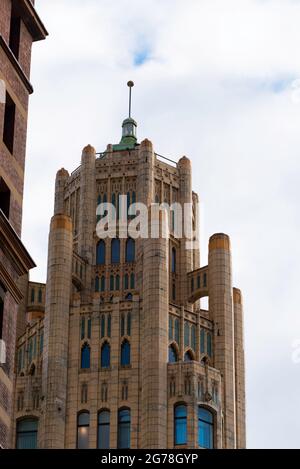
[
  {"x": 103, "y": 429},
  {"x": 118, "y": 282},
  {"x": 85, "y": 356},
  {"x": 100, "y": 253},
  {"x": 103, "y": 283},
  {"x": 173, "y": 260},
  {"x": 124, "y": 429},
  {"x": 130, "y": 250},
  {"x": 32, "y": 295},
  {"x": 112, "y": 283},
  {"x": 83, "y": 426},
  {"x": 115, "y": 251},
  {"x": 180, "y": 425},
  {"x": 27, "y": 433},
  {"x": 126, "y": 282},
  {"x": 105, "y": 355},
  {"x": 205, "y": 428},
  {"x": 97, "y": 285},
  {"x": 40, "y": 296},
  {"x": 132, "y": 281},
  {"x": 188, "y": 356},
  {"x": 173, "y": 357},
  {"x": 125, "y": 353}
]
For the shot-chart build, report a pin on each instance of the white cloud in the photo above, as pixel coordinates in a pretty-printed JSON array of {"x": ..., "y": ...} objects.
[{"x": 217, "y": 86}]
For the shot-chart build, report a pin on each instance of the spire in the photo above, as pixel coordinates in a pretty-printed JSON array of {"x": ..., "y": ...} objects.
[{"x": 128, "y": 140}]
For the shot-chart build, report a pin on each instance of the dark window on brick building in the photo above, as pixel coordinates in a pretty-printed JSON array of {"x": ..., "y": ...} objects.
[
  {"x": 14, "y": 35},
  {"x": 4, "y": 197},
  {"x": 9, "y": 123}
]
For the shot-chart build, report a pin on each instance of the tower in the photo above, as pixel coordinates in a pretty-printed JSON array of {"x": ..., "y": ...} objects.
[
  {"x": 20, "y": 26},
  {"x": 129, "y": 358}
]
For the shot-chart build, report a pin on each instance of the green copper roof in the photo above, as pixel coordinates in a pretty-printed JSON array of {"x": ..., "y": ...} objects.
[{"x": 128, "y": 140}]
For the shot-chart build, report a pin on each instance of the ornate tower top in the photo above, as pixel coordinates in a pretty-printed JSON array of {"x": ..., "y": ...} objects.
[{"x": 129, "y": 126}]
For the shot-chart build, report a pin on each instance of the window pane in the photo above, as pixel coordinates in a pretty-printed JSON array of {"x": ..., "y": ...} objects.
[
  {"x": 180, "y": 425},
  {"x": 27, "y": 434},
  {"x": 105, "y": 356},
  {"x": 125, "y": 354},
  {"x": 130, "y": 250},
  {"x": 124, "y": 429},
  {"x": 205, "y": 429},
  {"x": 172, "y": 355},
  {"x": 83, "y": 438},
  {"x": 115, "y": 251},
  {"x": 103, "y": 430},
  {"x": 85, "y": 357},
  {"x": 100, "y": 258}
]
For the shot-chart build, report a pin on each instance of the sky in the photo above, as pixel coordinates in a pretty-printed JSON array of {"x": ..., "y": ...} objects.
[{"x": 216, "y": 81}]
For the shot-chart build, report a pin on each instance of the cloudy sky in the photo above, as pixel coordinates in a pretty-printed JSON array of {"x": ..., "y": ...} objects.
[{"x": 218, "y": 81}]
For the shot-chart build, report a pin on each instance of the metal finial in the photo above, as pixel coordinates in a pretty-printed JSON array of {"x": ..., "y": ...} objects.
[{"x": 130, "y": 84}]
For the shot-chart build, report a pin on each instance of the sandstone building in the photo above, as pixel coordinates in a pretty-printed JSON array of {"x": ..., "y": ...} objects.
[
  {"x": 19, "y": 27},
  {"x": 116, "y": 351}
]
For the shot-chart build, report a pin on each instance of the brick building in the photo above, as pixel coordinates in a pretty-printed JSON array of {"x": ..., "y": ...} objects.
[
  {"x": 117, "y": 351},
  {"x": 19, "y": 27}
]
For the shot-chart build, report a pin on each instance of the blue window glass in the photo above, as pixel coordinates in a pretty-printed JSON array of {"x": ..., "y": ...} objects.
[
  {"x": 85, "y": 356},
  {"x": 126, "y": 282},
  {"x": 83, "y": 426},
  {"x": 100, "y": 253},
  {"x": 115, "y": 251},
  {"x": 124, "y": 429},
  {"x": 128, "y": 297},
  {"x": 132, "y": 281},
  {"x": 105, "y": 355},
  {"x": 177, "y": 335},
  {"x": 202, "y": 341},
  {"x": 97, "y": 285},
  {"x": 125, "y": 353},
  {"x": 117, "y": 282},
  {"x": 186, "y": 334},
  {"x": 27, "y": 433},
  {"x": 103, "y": 283},
  {"x": 103, "y": 429},
  {"x": 130, "y": 250},
  {"x": 172, "y": 354},
  {"x": 180, "y": 425},
  {"x": 129, "y": 324},
  {"x": 188, "y": 356},
  {"x": 170, "y": 328},
  {"x": 173, "y": 260},
  {"x": 102, "y": 326},
  {"x": 109, "y": 325},
  {"x": 112, "y": 283},
  {"x": 205, "y": 428},
  {"x": 209, "y": 344}
]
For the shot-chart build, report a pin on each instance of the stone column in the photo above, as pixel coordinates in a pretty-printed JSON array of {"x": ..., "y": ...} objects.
[
  {"x": 221, "y": 308},
  {"x": 239, "y": 369},
  {"x": 55, "y": 355},
  {"x": 62, "y": 177}
]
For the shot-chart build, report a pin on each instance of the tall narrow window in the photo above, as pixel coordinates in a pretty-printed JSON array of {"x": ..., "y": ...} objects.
[
  {"x": 205, "y": 428},
  {"x": 132, "y": 281},
  {"x": 83, "y": 427},
  {"x": 102, "y": 326},
  {"x": 98, "y": 203},
  {"x": 82, "y": 328},
  {"x": 186, "y": 334},
  {"x": 97, "y": 284},
  {"x": 122, "y": 325},
  {"x": 209, "y": 344},
  {"x": 180, "y": 425},
  {"x": 173, "y": 292},
  {"x": 85, "y": 356},
  {"x": 112, "y": 283},
  {"x": 32, "y": 295},
  {"x": 170, "y": 328},
  {"x": 173, "y": 260},
  {"x": 1, "y": 317},
  {"x": 14, "y": 36},
  {"x": 193, "y": 337},
  {"x": 103, "y": 429},
  {"x": 9, "y": 123},
  {"x": 115, "y": 251},
  {"x": 4, "y": 198},
  {"x": 89, "y": 328},
  {"x": 129, "y": 324},
  {"x": 177, "y": 334},
  {"x": 109, "y": 325},
  {"x": 100, "y": 253},
  {"x": 202, "y": 341},
  {"x": 102, "y": 283},
  {"x": 118, "y": 282},
  {"x": 126, "y": 282},
  {"x": 27, "y": 433},
  {"x": 130, "y": 250},
  {"x": 40, "y": 296},
  {"x": 124, "y": 429},
  {"x": 125, "y": 353},
  {"x": 105, "y": 355}
]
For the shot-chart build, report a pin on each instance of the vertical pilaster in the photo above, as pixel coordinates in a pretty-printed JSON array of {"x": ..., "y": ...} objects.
[
  {"x": 55, "y": 355},
  {"x": 221, "y": 308},
  {"x": 239, "y": 369}
]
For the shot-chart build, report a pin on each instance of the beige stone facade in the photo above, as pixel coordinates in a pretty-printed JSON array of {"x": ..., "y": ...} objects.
[{"x": 74, "y": 363}]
